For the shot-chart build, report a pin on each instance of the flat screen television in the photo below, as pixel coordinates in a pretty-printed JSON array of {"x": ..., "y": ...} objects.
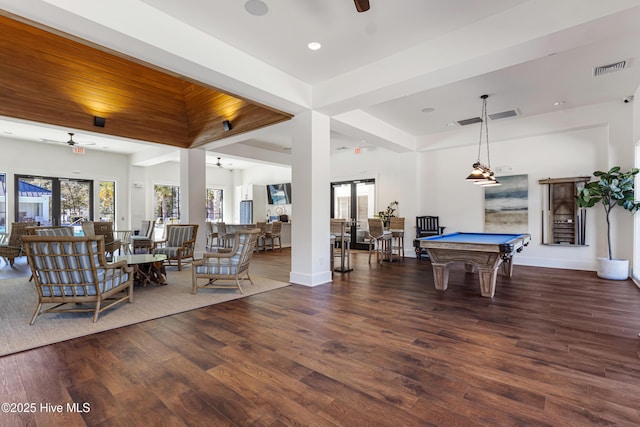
[{"x": 279, "y": 194}]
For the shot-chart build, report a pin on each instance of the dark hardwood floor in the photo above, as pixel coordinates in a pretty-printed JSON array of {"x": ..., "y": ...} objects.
[{"x": 377, "y": 347}]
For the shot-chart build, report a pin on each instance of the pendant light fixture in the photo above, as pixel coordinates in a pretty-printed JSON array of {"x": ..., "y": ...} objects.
[{"x": 481, "y": 173}]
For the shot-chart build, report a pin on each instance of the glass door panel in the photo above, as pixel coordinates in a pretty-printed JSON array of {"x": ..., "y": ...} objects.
[
  {"x": 354, "y": 201},
  {"x": 54, "y": 201},
  {"x": 364, "y": 210},
  {"x": 342, "y": 201},
  {"x": 75, "y": 202},
  {"x": 34, "y": 200}
]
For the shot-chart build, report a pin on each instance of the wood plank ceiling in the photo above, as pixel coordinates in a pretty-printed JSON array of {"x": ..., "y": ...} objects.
[{"x": 52, "y": 78}]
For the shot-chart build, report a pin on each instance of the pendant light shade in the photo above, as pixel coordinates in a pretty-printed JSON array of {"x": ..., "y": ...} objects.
[{"x": 482, "y": 174}]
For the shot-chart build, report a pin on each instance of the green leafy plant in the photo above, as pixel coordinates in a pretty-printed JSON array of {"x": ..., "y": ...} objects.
[
  {"x": 611, "y": 189},
  {"x": 389, "y": 212}
]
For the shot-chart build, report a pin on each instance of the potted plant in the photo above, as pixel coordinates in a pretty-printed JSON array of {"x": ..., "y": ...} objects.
[
  {"x": 388, "y": 213},
  {"x": 611, "y": 189}
]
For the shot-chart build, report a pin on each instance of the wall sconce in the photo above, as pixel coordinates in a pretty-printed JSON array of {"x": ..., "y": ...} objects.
[
  {"x": 99, "y": 121},
  {"x": 227, "y": 125}
]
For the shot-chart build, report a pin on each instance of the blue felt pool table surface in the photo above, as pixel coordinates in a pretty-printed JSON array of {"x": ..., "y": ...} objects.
[{"x": 488, "y": 238}]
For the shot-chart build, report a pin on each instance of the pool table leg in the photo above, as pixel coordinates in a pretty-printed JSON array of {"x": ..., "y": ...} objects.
[
  {"x": 507, "y": 267},
  {"x": 488, "y": 281},
  {"x": 440, "y": 276}
]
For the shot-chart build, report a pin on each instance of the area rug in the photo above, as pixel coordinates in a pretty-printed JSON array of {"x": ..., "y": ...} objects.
[{"x": 18, "y": 300}]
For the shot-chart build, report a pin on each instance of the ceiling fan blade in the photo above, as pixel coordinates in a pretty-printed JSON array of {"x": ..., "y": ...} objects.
[
  {"x": 73, "y": 143},
  {"x": 361, "y": 5}
]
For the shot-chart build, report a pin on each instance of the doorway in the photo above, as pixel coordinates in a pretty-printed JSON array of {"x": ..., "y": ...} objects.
[
  {"x": 53, "y": 201},
  {"x": 354, "y": 201}
]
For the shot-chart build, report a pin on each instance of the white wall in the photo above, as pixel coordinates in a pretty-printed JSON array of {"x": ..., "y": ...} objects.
[
  {"x": 572, "y": 142},
  {"x": 168, "y": 173},
  {"x": 568, "y": 143},
  {"x": 460, "y": 204},
  {"x": 30, "y": 158},
  {"x": 269, "y": 174}
]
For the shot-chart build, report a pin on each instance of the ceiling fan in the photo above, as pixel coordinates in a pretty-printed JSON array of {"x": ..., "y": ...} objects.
[
  {"x": 361, "y": 5},
  {"x": 70, "y": 142}
]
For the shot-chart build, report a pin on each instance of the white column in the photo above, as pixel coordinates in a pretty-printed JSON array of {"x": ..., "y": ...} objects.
[
  {"x": 193, "y": 192},
  {"x": 310, "y": 256}
]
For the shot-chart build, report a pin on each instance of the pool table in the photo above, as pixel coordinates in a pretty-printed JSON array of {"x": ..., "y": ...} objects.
[{"x": 486, "y": 251}]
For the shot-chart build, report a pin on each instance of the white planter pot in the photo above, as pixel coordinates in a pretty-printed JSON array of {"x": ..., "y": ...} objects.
[{"x": 613, "y": 269}]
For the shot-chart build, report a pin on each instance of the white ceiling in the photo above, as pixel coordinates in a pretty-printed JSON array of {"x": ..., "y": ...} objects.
[{"x": 376, "y": 71}]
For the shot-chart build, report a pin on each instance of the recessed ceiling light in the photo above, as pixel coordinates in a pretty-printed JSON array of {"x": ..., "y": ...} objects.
[
  {"x": 558, "y": 103},
  {"x": 428, "y": 110},
  {"x": 314, "y": 45},
  {"x": 256, "y": 7}
]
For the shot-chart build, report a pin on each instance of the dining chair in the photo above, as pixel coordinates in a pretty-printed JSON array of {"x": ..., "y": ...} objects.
[
  {"x": 396, "y": 227},
  {"x": 342, "y": 247},
  {"x": 272, "y": 234},
  {"x": 379, "y": 240}
]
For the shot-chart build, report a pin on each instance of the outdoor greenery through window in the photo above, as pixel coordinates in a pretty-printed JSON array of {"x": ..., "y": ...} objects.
[
  {"x": 74, "y": 200},
  {"x": 166, "y": 202},
  {"x": 108, "y": 201},
  {"x": 214, "y": 205}
]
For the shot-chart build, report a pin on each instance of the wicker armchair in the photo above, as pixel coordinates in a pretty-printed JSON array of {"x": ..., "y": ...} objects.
[
  {"x": 144, "y": 239},
  {"x": 71, "y": 272},
  {"x": 111, "y": 244},
  {"x": 179, "y": 244},
  {"x": 49, "y": 230},
  {"x": 13, "y": 248},
  {"x": 230, "y": 264}
]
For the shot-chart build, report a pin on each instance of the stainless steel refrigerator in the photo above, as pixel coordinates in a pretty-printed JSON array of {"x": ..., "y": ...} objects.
[{"x": 246, "y": 212}]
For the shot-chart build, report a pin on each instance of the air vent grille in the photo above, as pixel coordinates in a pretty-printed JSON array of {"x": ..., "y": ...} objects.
[
  {"x": 503, "y": 115},
  {"x": 604, "y": 69},
  {"x": 467, "y": 122}
]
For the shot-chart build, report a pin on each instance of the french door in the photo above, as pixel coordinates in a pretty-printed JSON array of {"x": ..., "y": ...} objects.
[
  {"x": 354, "y": 201},
  {"x": 53, "y": 201}
]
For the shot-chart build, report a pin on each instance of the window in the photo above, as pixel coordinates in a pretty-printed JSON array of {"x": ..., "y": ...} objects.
[
  {"x": 166, "y": 202},
  {"x": 214, "y": 205},
  {"x": 108, "y": 201},
  {"x": 53, "y": 201}
]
